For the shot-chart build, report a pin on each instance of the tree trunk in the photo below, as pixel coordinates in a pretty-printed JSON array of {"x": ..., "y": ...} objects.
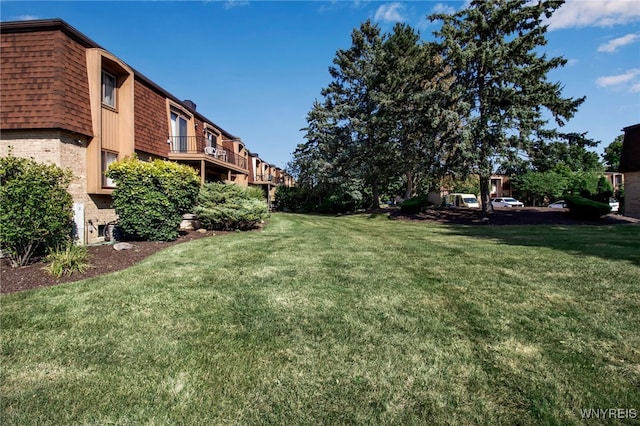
[
  {"x": 409, "y": 192},
  {"x": 485, "y": 194},
  {"x": 375, "y": 202}
]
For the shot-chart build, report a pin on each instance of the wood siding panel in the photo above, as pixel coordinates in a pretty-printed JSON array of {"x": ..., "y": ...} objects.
[{"x": 110, "y": 130}]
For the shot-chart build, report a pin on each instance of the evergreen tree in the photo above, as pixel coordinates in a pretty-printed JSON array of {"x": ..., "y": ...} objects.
[
  {"x": 418, "y": 108},
  {"x": 353, "y": 100},
  {"x": 492, "y": 47}
]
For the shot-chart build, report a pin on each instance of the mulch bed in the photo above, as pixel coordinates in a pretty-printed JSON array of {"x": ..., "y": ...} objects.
[{"x": 104, "y": 259}]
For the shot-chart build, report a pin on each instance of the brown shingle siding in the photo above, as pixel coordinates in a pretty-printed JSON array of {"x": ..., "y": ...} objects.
[
  {"x": 150, "y": 121},
  {"x": 44, "y": 82},
  {"x": 630, "y": 158}
]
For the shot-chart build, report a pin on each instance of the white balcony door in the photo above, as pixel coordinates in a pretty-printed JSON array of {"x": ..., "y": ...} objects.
[{"x": 179, "y": 132}]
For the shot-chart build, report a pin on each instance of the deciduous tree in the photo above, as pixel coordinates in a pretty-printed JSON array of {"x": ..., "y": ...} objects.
[{"x": 612, "y": 154}]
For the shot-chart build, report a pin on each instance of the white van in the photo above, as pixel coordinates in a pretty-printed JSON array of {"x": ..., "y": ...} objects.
[{"x": 461, "y": 200}]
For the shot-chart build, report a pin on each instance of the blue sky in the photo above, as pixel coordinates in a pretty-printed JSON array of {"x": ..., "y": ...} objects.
[{"x": 255, "y": 67}]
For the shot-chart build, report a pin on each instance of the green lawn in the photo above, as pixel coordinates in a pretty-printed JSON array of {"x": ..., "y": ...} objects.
[{"x": 338, "y": 320}]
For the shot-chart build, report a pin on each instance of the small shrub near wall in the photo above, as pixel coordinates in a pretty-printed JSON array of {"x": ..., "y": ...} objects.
[
  {"x": 151, "y": 197},
  {"x": 228, "y": 207},
  {"x": 36, "y": 210}
]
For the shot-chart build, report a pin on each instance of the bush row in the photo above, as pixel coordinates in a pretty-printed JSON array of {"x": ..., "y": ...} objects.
[
  {"x": 151, "y": 197},
  {"x": 36, "y": 215}
]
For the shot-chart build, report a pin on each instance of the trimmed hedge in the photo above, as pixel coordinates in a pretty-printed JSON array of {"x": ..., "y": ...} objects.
[
  {"x": 414, "y": 205},
  {"x": 584, "y": 208},
  {"x": 151, "y": 197}
]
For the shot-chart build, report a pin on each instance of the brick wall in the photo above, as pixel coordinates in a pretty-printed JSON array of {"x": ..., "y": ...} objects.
[
  {"x": 69, "y": 152},
  {"x": 150, "y": 122},
  {"x": 632, "y": 194}
]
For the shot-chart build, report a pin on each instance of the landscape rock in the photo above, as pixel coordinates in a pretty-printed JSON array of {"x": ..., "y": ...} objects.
[
  {"x": 122, "y": 246},
  {"x": 189, "y": 222}
]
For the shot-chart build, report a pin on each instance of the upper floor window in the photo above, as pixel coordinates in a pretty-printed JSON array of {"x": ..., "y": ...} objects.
[
  {"x": 108, "y": 89},
  {"x": 211, "y": 138}
]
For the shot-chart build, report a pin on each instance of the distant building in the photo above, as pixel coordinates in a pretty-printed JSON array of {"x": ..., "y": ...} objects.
[
  {"x": 500, "y": 186},
  {"x": 630, "y": 166}
]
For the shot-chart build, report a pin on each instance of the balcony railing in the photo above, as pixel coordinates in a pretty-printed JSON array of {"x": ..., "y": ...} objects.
[
  {"x": 197, "y": 145},
  {"x": 269, "y": 178}
]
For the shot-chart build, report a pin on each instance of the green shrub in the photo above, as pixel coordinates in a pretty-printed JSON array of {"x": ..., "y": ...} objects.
[
  {"x": 151, "y": 197},
  {"x": 67, "y": 260},
  {"x": 289, "y": 198},
  {"x": 414, "y": 205},
  {"x": 584, "y": 208},
  {"x": 35, "y": 208},
  {"x": 342, "y": 201},
  {"x": 229, "y": 207}
]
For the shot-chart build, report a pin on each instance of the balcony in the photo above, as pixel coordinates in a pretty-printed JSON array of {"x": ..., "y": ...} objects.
[
  {"x": 271, "y": 179},
  {"x": 195, "y": 147}
]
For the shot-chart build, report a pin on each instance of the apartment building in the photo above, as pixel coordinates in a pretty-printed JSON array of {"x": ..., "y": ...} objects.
[
  {"x": 267, "y": 176},
  {"x": 630, "y": 166},
  {"x": 65, "y": 99}
]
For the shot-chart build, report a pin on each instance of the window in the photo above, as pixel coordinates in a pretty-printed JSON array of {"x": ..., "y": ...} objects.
[
  {"x": 108, "y": 89},
  {"x": 178, "y": 132},
  {"x": 211, "y": 139},
  {"x": 108, "y": 158}
]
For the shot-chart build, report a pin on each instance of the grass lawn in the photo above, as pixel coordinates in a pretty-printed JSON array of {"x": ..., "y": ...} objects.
[{"x": 338, "y": 320}]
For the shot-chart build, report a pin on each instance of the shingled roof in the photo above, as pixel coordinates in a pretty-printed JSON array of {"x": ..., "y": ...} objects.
[{"x": 630, "y": 158}]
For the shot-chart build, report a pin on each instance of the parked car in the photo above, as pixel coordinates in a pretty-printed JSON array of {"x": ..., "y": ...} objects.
[
  {"x": 560, "y": 204},
  {"x": 457, "y": 199},
  {"x": 615, "y": 205},
  {"x": 506, "y": 202}
]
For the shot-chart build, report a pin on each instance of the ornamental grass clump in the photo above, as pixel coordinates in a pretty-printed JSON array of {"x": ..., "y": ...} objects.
[
  {"x": 229, "y": 207},
  {"x": 67, "y": 260}
]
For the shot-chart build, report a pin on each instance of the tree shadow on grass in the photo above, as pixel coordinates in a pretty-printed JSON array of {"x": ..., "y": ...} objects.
[
  {"x": 611, "y": 242},
  {"x": 613, "y": 237}
]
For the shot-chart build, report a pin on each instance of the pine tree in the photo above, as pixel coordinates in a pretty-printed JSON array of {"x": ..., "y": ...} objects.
[
  {"x": 353, "y": 100},
  {"x": 418, "y": 108},
  {"x": 493, "y": 49}
]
